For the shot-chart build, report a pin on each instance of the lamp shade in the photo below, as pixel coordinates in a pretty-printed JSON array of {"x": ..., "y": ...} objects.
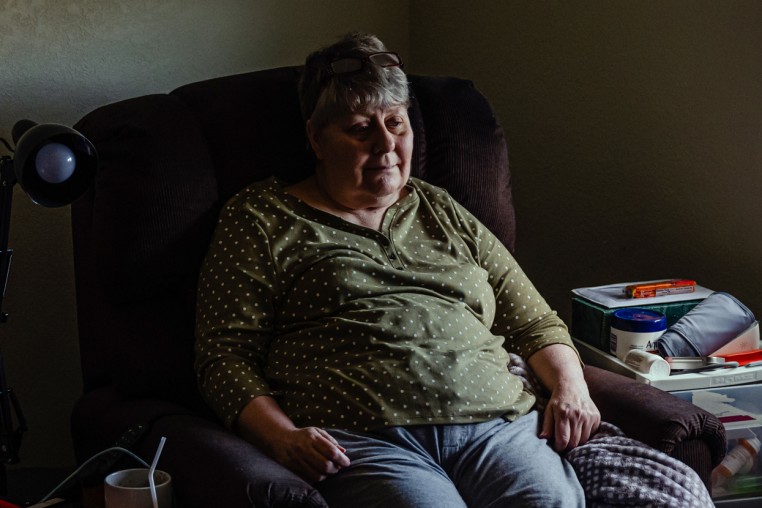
[{"x": 54, "y": 164}]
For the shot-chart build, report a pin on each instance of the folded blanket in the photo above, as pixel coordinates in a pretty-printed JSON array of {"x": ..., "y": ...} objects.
[{"x": 615, "y": 470}]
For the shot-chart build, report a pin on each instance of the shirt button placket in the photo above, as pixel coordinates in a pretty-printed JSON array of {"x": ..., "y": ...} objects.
[
  {"x": 386, "y": 244},
  {"x": 393, "y": 258}
]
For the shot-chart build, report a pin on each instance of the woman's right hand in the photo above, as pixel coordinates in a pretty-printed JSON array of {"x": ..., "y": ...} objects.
[{"x": 310, "y": 452}]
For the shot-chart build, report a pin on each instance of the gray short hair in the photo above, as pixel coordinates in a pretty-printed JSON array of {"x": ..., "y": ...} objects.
[{"x": 323, "y": 96}]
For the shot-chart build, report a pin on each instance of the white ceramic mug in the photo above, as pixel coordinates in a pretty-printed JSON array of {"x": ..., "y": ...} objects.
[{"x": 130, "y": 489}]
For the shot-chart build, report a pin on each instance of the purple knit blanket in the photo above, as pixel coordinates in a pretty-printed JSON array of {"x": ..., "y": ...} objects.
[{"x": 615, "y": 470}]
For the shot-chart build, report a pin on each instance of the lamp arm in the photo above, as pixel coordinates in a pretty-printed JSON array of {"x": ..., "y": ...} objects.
[
  {"x": 7, "y": 181},
  {"x": 10, "y": 438}
]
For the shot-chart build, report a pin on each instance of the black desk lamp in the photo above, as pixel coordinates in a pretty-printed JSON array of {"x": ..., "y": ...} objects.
[{"x": 54, "y": 165}]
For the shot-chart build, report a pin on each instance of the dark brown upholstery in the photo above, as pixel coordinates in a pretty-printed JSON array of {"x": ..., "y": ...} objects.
[{"x": 167, "y": 164}]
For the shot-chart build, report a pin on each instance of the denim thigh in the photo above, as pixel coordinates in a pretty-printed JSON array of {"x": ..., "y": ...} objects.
[
  {"x": 508, "y": 465},
  {"x": 491, "y": 464}
]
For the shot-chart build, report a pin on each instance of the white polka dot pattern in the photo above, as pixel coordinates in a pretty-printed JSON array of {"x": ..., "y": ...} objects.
[{"x": 353, "y": 328}]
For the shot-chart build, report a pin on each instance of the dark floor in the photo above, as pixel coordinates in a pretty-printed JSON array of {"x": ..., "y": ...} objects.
[{"x": 26, "y": 486}]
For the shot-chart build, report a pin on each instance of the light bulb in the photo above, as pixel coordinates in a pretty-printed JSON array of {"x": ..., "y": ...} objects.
[{"x": 55, "y": 162}]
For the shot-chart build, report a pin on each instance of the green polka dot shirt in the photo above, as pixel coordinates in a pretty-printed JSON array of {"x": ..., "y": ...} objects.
[{"x": 352, "y": 328}]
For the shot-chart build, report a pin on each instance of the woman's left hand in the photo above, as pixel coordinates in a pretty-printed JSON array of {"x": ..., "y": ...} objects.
[{"x": 571, "y": 417}]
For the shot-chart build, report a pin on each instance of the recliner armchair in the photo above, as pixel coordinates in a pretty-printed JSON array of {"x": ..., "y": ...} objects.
[{"x": 167, "y": 164}]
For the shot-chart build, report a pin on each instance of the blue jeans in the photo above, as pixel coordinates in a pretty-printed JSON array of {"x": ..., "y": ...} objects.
[{"x": 491, "y": 464}]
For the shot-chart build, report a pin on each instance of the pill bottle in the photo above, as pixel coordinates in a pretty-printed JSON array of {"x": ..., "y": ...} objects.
[
  {"x": 635, "y": 328},
  {"x": 647, "y": 363},
  {"x": 740, "y": 459}
]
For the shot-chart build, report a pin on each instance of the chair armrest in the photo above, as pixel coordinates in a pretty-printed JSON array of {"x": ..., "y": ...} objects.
[
  {"x": 659, "y": 419},
  {"x": 199, "y": 452},
  {"x": 203, "y": 453}
]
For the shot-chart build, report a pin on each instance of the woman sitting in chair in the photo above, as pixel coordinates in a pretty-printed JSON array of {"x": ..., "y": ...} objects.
[{"x": 356, "y": 325}]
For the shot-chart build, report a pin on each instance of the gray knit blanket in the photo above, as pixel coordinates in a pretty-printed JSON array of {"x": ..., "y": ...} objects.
[{"x": 615, "y": 470}]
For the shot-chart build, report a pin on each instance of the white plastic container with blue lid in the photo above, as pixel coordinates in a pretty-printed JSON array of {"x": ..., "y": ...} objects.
[{"x": 635, "y": 328}]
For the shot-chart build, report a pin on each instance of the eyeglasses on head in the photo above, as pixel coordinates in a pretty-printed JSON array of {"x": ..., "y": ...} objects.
[{"x": 348, "y": 65}]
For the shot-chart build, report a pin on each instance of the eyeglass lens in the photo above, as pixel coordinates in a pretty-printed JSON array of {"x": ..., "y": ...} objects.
[
  {"x": 354, "y": 64},
  {"x": 346, "y": 65},
  {"x": 385, "y": 59}
]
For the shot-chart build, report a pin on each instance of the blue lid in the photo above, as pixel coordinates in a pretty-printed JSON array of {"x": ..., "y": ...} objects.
[{"x": 632, "y": 319}]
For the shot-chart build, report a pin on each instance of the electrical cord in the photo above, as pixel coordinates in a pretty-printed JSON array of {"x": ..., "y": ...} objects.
[{"x": 87, "y": 462}]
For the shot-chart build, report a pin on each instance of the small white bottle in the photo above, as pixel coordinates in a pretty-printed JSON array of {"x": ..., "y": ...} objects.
[
  {"x": 647, "y": 363},
  {"x": 740, "y": 459}
]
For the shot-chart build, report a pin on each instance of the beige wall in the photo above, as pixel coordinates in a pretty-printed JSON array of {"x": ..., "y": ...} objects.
[
  {"x": 60, "y": 59},
  {"x": 633, "y": 127},
  {"x": 634, "y": 132}
]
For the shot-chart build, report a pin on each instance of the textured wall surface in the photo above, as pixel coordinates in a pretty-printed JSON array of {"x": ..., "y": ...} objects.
[
  {"x": 60, "y": 59},
  {"x": 634, "y": 132}
]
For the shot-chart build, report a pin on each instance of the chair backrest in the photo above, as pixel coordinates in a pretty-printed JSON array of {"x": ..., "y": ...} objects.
[{"x": 168, "y": 162}]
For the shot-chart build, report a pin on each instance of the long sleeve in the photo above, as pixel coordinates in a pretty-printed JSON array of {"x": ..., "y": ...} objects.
[
  {"x": 522, "y": 316},
  {"x": 235, "y": 314}
]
